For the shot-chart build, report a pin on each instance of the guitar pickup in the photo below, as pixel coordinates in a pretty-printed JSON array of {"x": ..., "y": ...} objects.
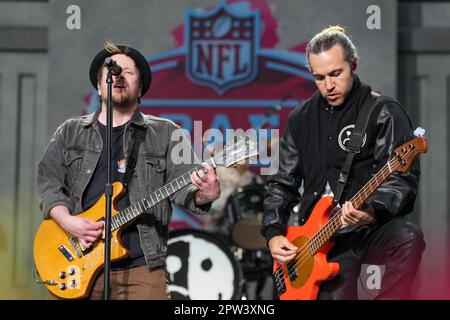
[
  {"x": 66, "y": 253},
  {"x": 291, "y": 270}
]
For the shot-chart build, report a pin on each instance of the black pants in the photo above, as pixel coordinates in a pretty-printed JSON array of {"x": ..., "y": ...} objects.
[{"x": 397, "y": 245}]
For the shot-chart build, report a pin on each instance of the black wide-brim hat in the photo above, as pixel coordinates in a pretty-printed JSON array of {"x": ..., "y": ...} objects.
[{"x": 139, "y": 59}]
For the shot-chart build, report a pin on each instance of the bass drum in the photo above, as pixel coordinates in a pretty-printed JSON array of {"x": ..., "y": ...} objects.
[{"x": 201, "y": 267}]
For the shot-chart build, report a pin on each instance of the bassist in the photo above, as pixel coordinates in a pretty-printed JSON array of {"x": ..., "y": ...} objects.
[{"x": 313, "y": 151}]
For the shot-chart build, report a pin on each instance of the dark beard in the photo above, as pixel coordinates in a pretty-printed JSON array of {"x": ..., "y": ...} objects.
[{"x": 121, "y": 101}]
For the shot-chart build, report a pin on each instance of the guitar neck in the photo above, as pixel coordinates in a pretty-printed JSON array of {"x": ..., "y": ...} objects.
[
  {"x": 136, "y": 209},
  {"x": 335, "y": 223}
]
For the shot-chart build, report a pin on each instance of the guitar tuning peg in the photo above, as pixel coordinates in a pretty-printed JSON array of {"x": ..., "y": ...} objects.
[{"x": 419, "y": 132}]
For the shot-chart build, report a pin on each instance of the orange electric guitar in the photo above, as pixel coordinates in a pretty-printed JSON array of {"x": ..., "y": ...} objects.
[
  {"x": 68, "y": 270},
  {"x": 300, "y": 278}
]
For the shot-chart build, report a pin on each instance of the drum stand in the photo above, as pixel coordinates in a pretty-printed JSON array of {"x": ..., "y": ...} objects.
[{"x": 257, "y": 272}]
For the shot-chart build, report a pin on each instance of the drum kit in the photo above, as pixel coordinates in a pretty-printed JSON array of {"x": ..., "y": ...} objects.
[
  {"x": 213, "y": 266},
  {"x": 236, "y": 265}
]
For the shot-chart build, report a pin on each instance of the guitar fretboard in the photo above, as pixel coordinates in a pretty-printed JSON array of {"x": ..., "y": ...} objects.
[
  {"x": 327, "y": 231},
  {"x": 134, "y": 210}
]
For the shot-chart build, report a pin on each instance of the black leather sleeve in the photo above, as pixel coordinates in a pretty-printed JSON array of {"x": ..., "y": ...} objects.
[
  {"x": 282, "y": 191},
  {"x": 395, "y": 196}
]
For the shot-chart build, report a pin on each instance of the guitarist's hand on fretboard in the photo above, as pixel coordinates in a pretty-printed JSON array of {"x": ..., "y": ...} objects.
[
  {"x": 281, "y": 249},
  {"x": 351, "y": 216},
  {"x": 208, "y": 185}
]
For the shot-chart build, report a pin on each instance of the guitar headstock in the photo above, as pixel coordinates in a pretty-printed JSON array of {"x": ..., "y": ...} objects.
[
  {"x": 405, "y": 154},
  {"x": 233, "y": 154}
]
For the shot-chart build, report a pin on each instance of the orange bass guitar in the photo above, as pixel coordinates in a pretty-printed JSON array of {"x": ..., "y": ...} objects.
[{"x": 300, "y": 278}]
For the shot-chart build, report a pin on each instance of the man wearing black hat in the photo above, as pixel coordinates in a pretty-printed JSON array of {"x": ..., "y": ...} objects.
[{"x": 73, "y": 172}]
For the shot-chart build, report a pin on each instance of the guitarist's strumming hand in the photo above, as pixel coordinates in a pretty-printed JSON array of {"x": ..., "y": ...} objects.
[
  {"x": 351, "y": 216},
  {"x": 87, "y": 231},
  {"x": 207, "y": 184},
  {"x": 281, "y": 249}
]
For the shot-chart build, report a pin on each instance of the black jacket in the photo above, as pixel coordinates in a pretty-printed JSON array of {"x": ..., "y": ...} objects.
[{"x": 310, "y": 152}]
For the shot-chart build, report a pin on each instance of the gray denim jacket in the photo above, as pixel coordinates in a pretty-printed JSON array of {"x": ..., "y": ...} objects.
[{"x": 71, "y": 157}]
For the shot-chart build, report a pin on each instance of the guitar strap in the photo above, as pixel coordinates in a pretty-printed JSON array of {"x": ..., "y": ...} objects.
[
  {"x": 137, "y": 137},
  {"x": 355, "y": 143}
]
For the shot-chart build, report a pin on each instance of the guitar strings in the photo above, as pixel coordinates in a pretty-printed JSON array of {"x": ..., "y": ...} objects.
[{"x": 221, "y": 155}]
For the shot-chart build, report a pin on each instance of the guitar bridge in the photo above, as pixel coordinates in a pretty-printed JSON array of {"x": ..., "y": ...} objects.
[
  {"x": 74, "y": 243},
  {"x": 292, "y": 270},
  {"x": 279, "y": 281}
]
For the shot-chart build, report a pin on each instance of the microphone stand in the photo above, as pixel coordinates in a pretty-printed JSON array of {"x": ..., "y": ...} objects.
[{"x": 108, "y": 188}]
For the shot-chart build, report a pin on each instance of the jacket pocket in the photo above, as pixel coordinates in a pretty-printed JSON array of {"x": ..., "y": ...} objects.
[
  {"x": 153, "y": 236},
  {"x": 72, "y": 161},
  {"x": 156, "y": 167}
]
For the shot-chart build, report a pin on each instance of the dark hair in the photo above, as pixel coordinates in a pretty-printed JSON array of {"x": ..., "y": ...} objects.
[{"x": 329, "y": 37}]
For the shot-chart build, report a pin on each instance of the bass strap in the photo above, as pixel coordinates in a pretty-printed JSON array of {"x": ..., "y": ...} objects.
[{"x": 355, "y": 143}]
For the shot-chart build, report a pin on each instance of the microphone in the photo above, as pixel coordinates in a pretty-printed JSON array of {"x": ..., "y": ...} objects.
[{"x": 113, "y": 67}]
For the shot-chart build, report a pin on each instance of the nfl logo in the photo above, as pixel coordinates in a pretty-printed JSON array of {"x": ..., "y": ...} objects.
[{"x": 222, "y": 47}]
